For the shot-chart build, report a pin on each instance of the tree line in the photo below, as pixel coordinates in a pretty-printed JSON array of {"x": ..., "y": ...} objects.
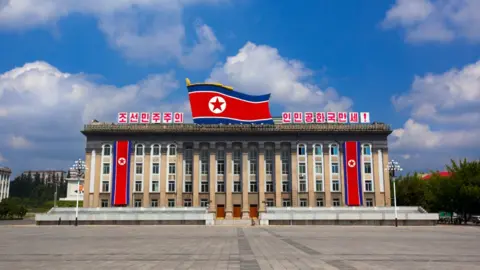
[{"x": 458, "y": 193}]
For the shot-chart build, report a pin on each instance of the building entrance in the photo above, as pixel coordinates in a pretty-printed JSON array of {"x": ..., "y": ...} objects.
[
  {"x": 220, "y": 211},
  {"x": 237, "y": 211},
  {"x": 253, "y": 211}
]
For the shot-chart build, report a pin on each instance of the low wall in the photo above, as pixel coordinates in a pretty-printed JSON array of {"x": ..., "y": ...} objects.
[
  {"x": 407, "y": 216},
  {"x": 127, "y": 216}
]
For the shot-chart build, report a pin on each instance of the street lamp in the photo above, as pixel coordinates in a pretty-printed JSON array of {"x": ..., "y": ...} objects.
[
  {"x": 79, "y": 168},
  {"x": 393, "y": 167}
]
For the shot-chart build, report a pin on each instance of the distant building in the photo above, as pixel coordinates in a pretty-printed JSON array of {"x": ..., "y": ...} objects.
[
  {"x": 4, "y": 182},
  {"x": 48, "y": 176},
  {"x": 73, "y": 187}
]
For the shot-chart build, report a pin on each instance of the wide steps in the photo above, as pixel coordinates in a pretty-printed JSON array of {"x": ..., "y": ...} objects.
[{"x": 234, "y": 222}]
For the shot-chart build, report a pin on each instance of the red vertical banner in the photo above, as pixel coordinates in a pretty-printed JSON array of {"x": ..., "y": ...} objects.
[
  {"x": 352, "y": 173},
  {"x": 121, "y": 173}
]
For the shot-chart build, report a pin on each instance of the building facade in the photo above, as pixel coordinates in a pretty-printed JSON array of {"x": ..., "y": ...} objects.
[
  {"x": 74, "y": 186},
  {"x": 47, "y": 176},
  {"x": 5, "y": 174},
  {"x": 236, "y": 170}
]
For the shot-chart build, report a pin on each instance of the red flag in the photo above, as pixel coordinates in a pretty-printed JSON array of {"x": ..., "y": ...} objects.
[
  {"x": 121, "y": 173},
  {"x": 352, "y": 173}
]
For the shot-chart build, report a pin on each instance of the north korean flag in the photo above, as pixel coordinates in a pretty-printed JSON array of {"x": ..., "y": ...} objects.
[
  {"x": 216, "y": 104},
  {"x": 353, "y": 173},
  {"x": 121, "y": 173}
]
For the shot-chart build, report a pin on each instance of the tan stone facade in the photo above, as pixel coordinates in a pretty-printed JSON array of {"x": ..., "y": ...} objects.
[{"x": 235, "y": 178}]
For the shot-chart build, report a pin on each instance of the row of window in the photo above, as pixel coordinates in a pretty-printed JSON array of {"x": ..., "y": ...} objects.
[
  {"x": 269, "y": 202},
  {"x": 334, "y": 149}
]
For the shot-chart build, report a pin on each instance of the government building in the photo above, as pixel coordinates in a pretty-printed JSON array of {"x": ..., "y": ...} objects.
[{"x": 237, "y": 171}]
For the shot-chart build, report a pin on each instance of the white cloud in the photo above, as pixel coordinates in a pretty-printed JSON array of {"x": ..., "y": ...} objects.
[
  {"x": 2, "y": 158},
  {"x": 260, "y": 69},
  {"x": 436, "y": 20},
  {"x": 19, "y": 142},
  {"x": 49, "y": 107},
  {"x": 144, "y": 30}
]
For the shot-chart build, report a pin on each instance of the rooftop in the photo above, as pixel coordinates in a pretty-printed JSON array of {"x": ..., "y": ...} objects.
[
  {"x": 109, "y": 128},
  {"x": 5, "y": 169}
]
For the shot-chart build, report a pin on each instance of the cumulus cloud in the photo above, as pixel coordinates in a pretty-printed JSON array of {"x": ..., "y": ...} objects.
[
  {"x": 45, "y": 108},
  {"x": 260, "y": 69},
  {"x": 435, "y": 20},
  {"x": 444, "y": 114},
  {"x": 143, "y": 30}
]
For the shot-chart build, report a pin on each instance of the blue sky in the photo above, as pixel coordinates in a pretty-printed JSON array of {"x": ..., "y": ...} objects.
[{"x": 411, "y": 63}]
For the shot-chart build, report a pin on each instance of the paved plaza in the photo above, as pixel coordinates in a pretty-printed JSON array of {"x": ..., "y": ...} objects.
[{"x": 199, "y": 247}]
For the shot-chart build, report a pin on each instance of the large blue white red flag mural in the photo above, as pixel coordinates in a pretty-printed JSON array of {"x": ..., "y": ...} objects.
[
  {"x": 218, "y": 104},
  {"x": 352, "y": 173},
  {"x": 121, "y": 173}
]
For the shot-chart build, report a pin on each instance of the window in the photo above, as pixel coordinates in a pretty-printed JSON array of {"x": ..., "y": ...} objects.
[
  {"x": 285, "y": 186},
  {"x": 106, "y": 168},
  {"x": 334, "y": 167},
  {"x": 367, "y": 150},
  {"x": 336, "y": 185},
  {"x": 171, "y": 168},
  {"x": 156, "y": 150},
  {"x": 236, "y": 167},
  {"x": 204, "y": 155},
  {"x": 220, "y": 167},
  {"x": 204, "y": 168},
  {"x": 286, "y": 203},
  {"x": 319, "y": 202},
  {"x": 107, "y": 150},
  {"x": 269, "y": 186},
  {"x": 221, "y": 186},
  {"x": 252, "y": 154},
  {"x": 138, "y": 203},
  {"x": 285, "y": 168},
  {"x": 204, "y": 187},
  {"x": 187, "y": 203},
  {"x": 237, "y": 154},
  {"x": 188, "y": 168},
  {"x": 155, "y": 168},
  {"x": 367, "y": 167},
  {"x": 269, "y": 154},
  {"x": 237, "y": 186},
  {"x": 139, "y": 150},
  {"x": 105, "y": 186},
  {"x": 155, "y": 186},
  {"x": 369, "y": 203},
  {"x": 138, "y": 186},
  {"x": 171, "y": 186},
  {"x": 302, "y": 168},
  {"x": 154, "y": 203},
  {"x": 336, "y": 202},
  {"x": 334, "y": 150},
  {"x": 253, "y": 167},
  {"x": 171, "y": 202},
  {"x": 104, "y": 203},
  {"x": 301, "y": 149},
  {"x": 203, "y": 203},
  {"x": 318, "y": 185},
  {"x": 172, "y": 150},
  {"x": 139, "y": 168},
  {"x": 188, "y": 153},
  {"x": 318, "y": 168},
  {"x": 253, "y": 187},
  {"x": 188, "y": 187},
  {"x": 368, "y": 185},
  {"x": 270, "y": 203},
  {"x": 303, "y": 186},
  {"x": 318, "y": 150},
  {"x": 269, "y": 167},
  {"x": 303, "y": 202}
]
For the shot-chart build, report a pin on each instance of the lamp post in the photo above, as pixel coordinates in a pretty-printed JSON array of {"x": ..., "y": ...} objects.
[
  {"x": 79, "y": 168},
  {"x": 393, "y": 167}
]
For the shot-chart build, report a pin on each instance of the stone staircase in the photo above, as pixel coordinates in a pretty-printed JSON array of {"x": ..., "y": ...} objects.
[{"x": 234, "y": 222}]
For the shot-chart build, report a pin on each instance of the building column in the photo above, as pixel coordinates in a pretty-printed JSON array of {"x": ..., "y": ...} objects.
[
  {"x": 278, "y": 174},
  {"x": 327, "y": 167},
  {"x": 179, "y": 175},
  {"x": 97, "y": 179},
  {"x": 245, "y": 178},
  {"x": 163, "y": 175},
  {"x": 196, "y": 174},
  {"x": 310, "y": 175},
  {"x": 212, "y": 178},
  {"x": 146, "y": 177},
  {"x": 294, "y": 174},
  {"x": 261, "y": 177},
  {"x": 228, "y": 181}
]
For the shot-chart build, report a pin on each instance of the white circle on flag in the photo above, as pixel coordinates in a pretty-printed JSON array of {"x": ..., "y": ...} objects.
[
  {"x": 217, "y": 105},
  {"x": 351, "y": 163},
  {"x": 122, "y": 161}
]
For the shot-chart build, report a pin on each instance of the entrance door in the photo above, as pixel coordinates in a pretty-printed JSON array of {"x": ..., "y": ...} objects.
[
  {"x": 237, "y": 211},
  {"x": 220, "y": 211},
  {"x": 253, "y": 211}
]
